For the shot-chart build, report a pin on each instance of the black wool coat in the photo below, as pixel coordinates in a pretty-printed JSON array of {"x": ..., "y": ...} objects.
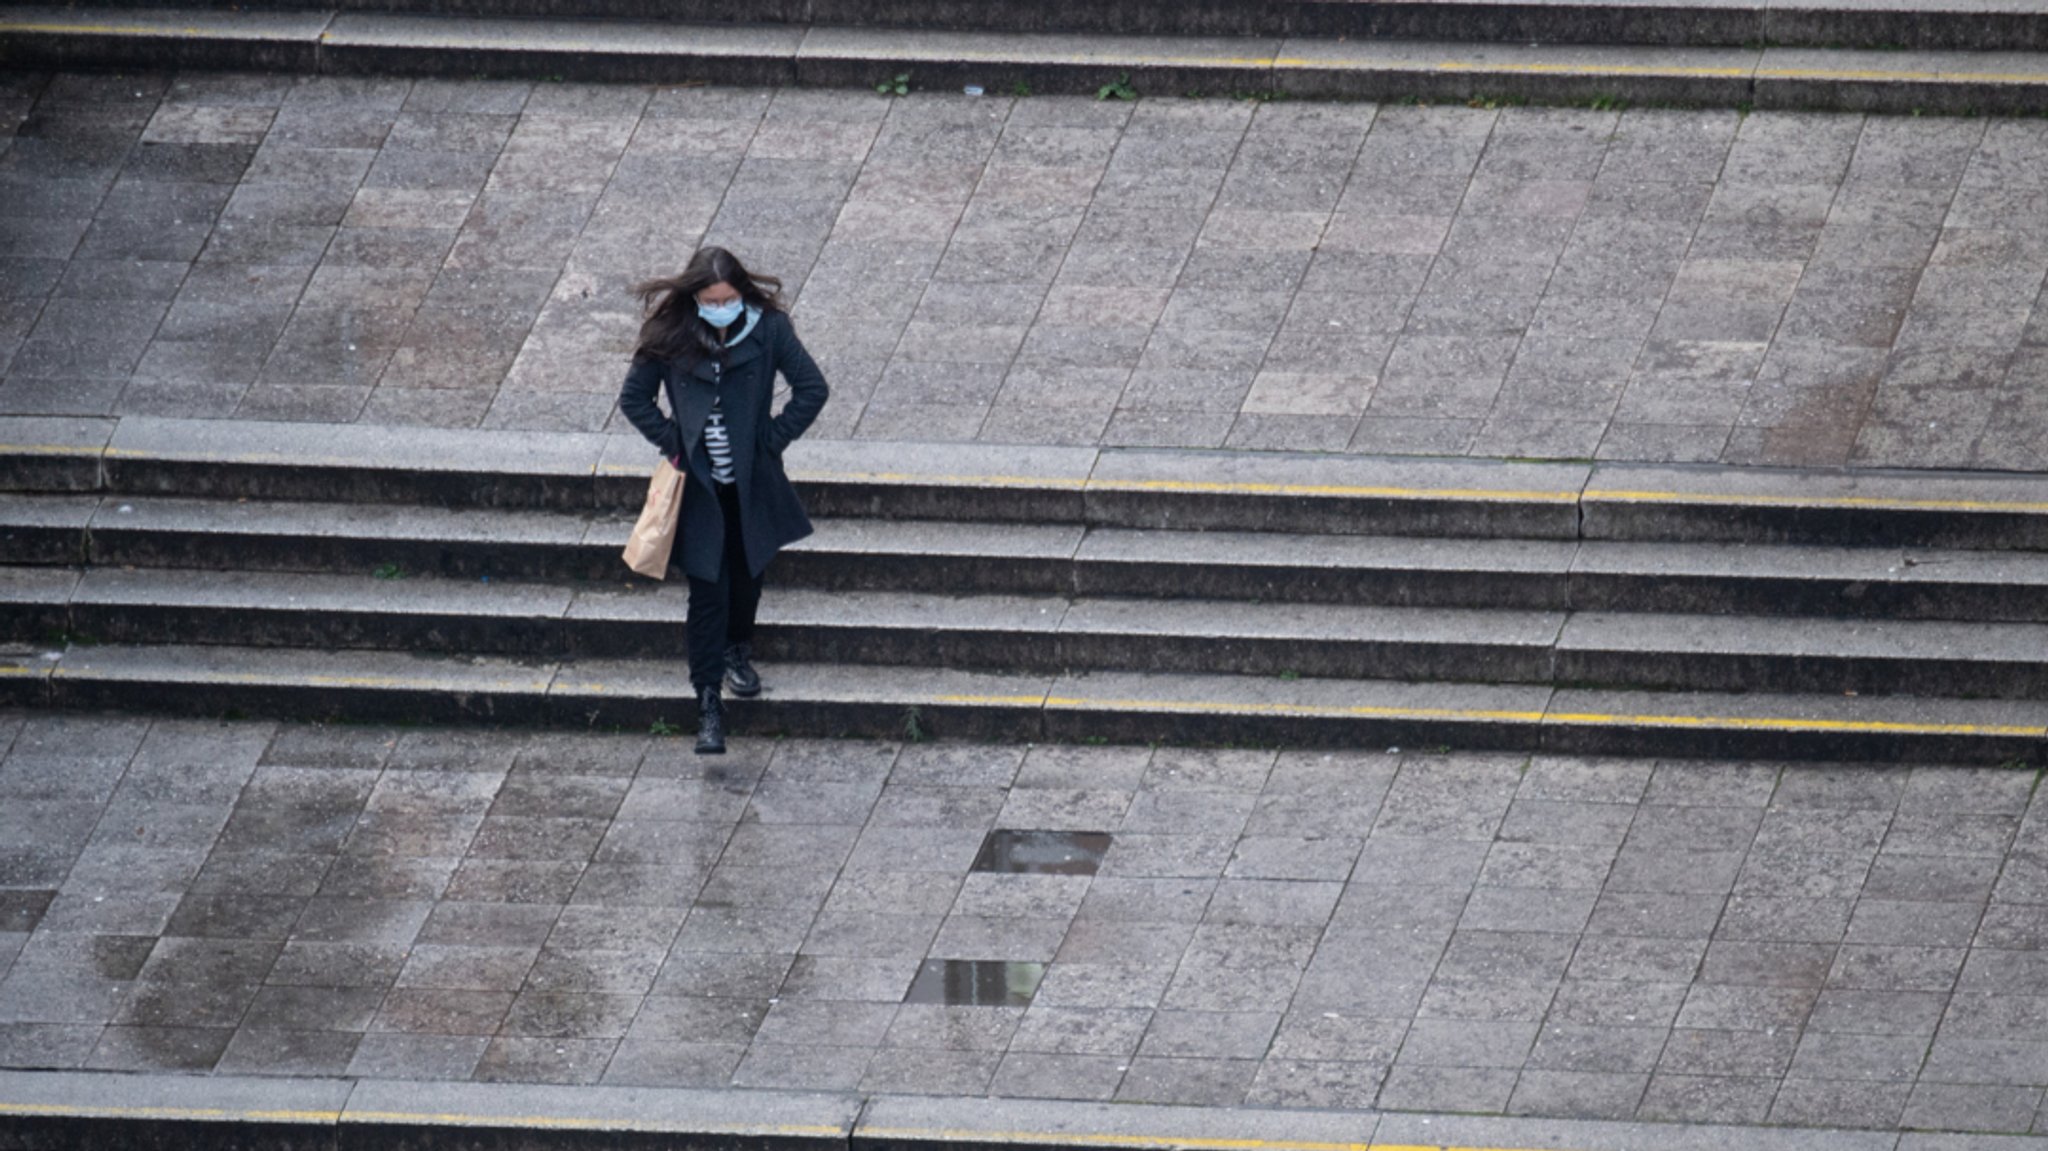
[{"x": 770, "y": 514}]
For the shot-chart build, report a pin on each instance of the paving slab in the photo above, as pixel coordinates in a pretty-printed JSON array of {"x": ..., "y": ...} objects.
[{"x": 1292, "y": 941}]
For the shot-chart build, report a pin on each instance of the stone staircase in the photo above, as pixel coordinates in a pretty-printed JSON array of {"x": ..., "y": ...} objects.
[
  {"x": 1899, "y": 56},
  {"x": 1038, "y": 594}
]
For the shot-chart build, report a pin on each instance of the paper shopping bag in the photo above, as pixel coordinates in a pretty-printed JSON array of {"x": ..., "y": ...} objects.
[{"x": 648, "y": 548}]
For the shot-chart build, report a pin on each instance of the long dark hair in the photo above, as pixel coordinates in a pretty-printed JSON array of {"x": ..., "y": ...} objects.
[{"x": 673, "y": 329}]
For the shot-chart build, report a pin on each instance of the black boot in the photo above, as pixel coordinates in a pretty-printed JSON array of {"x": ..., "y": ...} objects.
[
  {"x": 740, "y": 675},
  {"x": 710, "y": 721}
]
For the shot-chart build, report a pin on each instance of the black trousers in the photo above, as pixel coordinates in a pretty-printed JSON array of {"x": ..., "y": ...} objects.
[{"x": 722, "y": 610}]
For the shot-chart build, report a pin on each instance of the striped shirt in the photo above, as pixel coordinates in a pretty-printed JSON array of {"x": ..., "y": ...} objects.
[
  {"x": 717, "y": 444},
  {"x": 717, "y": 440}
]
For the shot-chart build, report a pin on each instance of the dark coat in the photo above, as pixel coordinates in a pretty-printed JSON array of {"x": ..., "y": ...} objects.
[{"x": 770, "y": 515}]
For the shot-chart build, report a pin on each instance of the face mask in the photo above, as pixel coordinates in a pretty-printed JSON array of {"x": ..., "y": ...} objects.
[{"x": 723, "y": 315}]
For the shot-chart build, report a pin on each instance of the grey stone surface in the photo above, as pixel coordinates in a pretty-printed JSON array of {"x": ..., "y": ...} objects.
[
  {"x": 1652, "y": 285},
  {"x": 1544, "y": 937}
]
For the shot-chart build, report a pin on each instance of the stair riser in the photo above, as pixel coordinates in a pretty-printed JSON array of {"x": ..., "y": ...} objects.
[
  {"x": 1039, "y": 651},
  {"x": 225, "y": 479},
  {"x": 769, "y": 717},
  {"x": 1851, "y": 527},
  {"x": 1857, "y": 599},
  {"x": 1331, "y": 515},
  {"x": 937, "y": 575},
  {"x": 219, "y": 551},
  {"x": 45, "y": 546},
  {"x": 1537, "y": 591}
]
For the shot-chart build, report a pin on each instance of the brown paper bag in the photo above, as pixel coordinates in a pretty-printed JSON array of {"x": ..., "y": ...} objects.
[{"x": 647, "y": 549}]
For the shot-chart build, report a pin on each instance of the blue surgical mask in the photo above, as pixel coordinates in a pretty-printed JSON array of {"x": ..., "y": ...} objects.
[{"x": 722, "y": 315}]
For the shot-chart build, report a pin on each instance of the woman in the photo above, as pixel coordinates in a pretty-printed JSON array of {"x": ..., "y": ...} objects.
[{"x": 714, "y": 338}]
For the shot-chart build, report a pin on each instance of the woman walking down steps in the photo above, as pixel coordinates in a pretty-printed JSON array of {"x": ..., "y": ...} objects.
[{"x": 714, "y": 339}]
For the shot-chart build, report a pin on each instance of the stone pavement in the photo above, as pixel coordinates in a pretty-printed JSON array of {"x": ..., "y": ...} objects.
[
  {"x": 1734, "y": 942},
  {"x": 1813, "y": 290}
]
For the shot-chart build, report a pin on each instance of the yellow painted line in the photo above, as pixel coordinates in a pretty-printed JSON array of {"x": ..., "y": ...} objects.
[
  {"x": 1699, "y": 722},
  {"x": 1438, "y": 1147},
  {"x": 379, "y": 681},
  {"x": 1208, "y": 1143},
  {"x": 1226, "y": 486},
  {"x": 1069, "y": 483},
  {"x": 1898, "y": 77},
  {"x": 1221, "y": 487},
  {"x": 60, "y": 1110},
  {"x": 1541, "y": 69},
  {"x": 1887, "y": 503},
  {"x": 581, "y": 1123},
  {"x": 51, "y": 449},
  {"x": 1772, "y": 723},
  {"x": 131, "y": 30},
  {"x": 1206, "y": 706}
]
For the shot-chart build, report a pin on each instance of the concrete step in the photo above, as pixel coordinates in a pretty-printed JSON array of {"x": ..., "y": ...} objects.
[
  {"x": 918, "y": 703},
  {"x": 1040, "y": 634},
  {"x": 1053, "y": 559},
  {"x": 1094, "y": 487},
  {"x": 1446, "y": 51},
  {"x": 1727, "y": 23}
]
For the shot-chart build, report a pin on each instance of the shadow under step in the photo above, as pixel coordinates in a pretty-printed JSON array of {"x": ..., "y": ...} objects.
[{"x": 913, "y": 703}]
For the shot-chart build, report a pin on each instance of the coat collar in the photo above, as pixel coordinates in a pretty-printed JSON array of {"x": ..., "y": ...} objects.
[{"x": 739, "y": 349}]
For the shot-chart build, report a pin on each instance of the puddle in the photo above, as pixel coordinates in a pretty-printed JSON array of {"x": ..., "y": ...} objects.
[
  {"x": 975, "y": 983},
  {"x": 1042, "y": 852}
]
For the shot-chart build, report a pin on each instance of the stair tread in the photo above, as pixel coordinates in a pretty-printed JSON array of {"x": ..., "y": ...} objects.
[
  {"x": 295, "y": 519},
  {"x": 1815, "y": 636},
  {"x": 1296, "y": 550},
  {"x": 290, "y": 518},
  {"x": 46, "y": 511},
  {"x": 41, "y": 585},
  {"x": 1811, "y": 562},
  {"x": 799, "y": 607}
]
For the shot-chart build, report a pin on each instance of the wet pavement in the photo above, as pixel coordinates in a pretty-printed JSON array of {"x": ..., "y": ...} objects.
[
  {"x": 1811, "y": 290},
  {"x": 1698, "y": 942}
]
